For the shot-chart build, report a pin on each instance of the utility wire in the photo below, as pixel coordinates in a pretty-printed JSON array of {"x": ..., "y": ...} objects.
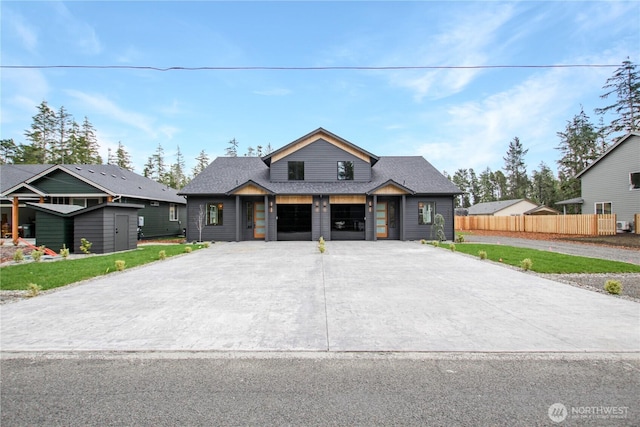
[{"x": 321, "y": 68}]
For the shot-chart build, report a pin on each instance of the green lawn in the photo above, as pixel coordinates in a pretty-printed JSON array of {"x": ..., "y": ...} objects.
[
  {"x": 545, "y": 261},
  {"x": 52, "y": 274}
]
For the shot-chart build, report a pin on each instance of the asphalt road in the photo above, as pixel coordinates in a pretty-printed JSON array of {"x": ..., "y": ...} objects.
[{"x": 347, "y": 389}]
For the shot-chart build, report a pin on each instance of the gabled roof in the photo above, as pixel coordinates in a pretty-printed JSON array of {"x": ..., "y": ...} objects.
[
  {"x": 313, "y": 136},
  {"x": 227, "y": 174},
  {"x": 610, "y": 150},
  {"x": 489, "y": 208},
  {"x": 109, "y": 179},
  {"x": 73, "y": 210}
]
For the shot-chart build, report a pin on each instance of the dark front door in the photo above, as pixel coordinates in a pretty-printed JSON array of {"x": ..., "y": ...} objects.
[{"x": 122, "y": 232}]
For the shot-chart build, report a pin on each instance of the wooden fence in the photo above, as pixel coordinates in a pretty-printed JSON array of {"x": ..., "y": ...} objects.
[
  {"x": 636, "y": 222},
  {"x": 587, "y": 225}
]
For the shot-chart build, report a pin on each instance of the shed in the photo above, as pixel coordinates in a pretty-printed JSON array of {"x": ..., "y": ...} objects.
[{"x": 110, "y": 227}]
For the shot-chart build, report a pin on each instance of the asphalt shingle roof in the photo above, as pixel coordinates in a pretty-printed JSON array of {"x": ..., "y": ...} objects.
[
  {"x": 117, "y": 181},
  {"x": 488, "y": 208},
  {"x": 225, "y": 174}
]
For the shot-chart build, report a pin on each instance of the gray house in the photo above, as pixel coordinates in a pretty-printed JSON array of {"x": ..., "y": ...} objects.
[
  {"x": 611, "y": 184},
  {"x": 162, "y": 212},
  {"x": 318, "y": 185}
]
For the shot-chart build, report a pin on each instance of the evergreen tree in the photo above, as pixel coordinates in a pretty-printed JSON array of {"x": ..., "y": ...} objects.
[
  {"x": 625, "y": 85},
  {"x": 232, "y": 149},
  {"x": 516, "y": 170},
  {"x": 579, "y": 146},
  {"x": 461, "y": 180},
  {"x": 544, "y": 186},
  {"x": 149, "y": 170},
  {"x": 87, "y": 150},
  {"x": 474, "y": 187},
  {"x": 177, "y": 178},
  {"x": 122, "y": 158},
  {"x": 487, "y": 192},
  {"x": 8, "y": 151},
  {"x": 500, "y": 186},
  {"x": 61, "y": 150},
  {"x": 41, "y": 135},
  {"x": 202, "y": 161},
  {"x": 250, "y": 152}
]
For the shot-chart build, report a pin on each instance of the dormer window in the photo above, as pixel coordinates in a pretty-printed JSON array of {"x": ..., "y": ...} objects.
[
  {"x": 345, "y": 170},
  {"x": 296, "y": 171}
]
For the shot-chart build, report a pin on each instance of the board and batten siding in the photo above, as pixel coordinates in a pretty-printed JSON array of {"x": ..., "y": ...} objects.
[
  {"x": 320, "y": 164},
  {"x": 59, "y": 182},
  {"x": 54, "y": 231},
  {"x": 415, "y": 231},
  {"x": 608, "y": 181}
]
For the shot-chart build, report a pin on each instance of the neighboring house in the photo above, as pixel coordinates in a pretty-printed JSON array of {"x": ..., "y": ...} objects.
[
  {"x": 611, "y": 184},
  {"x": 504, "y": 208},
  {"x": 319, "y": 185},
  {"x": 161, "y": 212}
]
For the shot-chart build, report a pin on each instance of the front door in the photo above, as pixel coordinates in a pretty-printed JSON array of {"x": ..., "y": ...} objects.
[
  {"x": 122, "y": 233},
  {"x": 259, "y": 224},
  {"x": 381, "y": 220}
]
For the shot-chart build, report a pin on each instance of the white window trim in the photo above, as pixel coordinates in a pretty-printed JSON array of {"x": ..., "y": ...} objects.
[
  {"x": 631, "y": 183},
  {"x": 173, "y": 209},
  {"x": 595, "y": 207}
]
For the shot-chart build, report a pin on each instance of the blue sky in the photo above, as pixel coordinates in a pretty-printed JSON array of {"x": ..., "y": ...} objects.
[{"x": 455, "y": 118}]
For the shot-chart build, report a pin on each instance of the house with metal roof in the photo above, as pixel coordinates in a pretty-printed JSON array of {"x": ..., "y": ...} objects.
[
  {"x": 27, "y": 189},
  {"x": 611, "y": 184},
  {"x": 319, "y": 185}
]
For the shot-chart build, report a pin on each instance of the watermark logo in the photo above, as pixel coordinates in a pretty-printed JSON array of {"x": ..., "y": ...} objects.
[{"x": 557, "y": 412}]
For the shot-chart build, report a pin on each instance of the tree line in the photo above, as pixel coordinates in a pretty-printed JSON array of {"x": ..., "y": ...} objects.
[
  {"x": 55, "y": 137},
  {"x": 581, "y": 142}
]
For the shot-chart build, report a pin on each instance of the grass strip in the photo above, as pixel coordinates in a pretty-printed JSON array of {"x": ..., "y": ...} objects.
[
  {"x": 545, "y": 261},
  {"x": 53, "y": 274}
]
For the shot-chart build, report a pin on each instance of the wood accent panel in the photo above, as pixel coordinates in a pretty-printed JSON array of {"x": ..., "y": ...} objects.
[
  {"x": 390, "y": 189},
  {"x": 314, "y": 138},
  {"x": 250, "y": 190},
  {"x": 294, "y": 200},
  {"x": 348, "y": 199}
]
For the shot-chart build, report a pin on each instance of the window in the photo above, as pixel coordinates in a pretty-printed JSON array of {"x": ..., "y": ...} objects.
[
  {"x": 214, "y": 214},
  {"x": 345, "y": 170},
  {"x": 603, "y": 208},
  {"x": 173, "y": 212},
  {"x": 296, "y": 171},
  {"x": 634, "y": 181},
  {"x": 426, "y": 210}
]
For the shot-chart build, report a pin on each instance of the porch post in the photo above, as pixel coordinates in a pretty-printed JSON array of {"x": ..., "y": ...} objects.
[
  {"x": 375, "y": 217},
  {"x": 266, "y": 218},
  {"x": 15, "y": 217},
  {"x": 403, "y": 217},
  {"x": 238, "y": 217}
]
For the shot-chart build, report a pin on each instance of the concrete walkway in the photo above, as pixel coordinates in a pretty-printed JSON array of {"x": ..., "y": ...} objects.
[{"x": 286, "y": 296}]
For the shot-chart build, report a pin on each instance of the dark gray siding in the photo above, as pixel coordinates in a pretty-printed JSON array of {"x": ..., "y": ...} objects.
[
  {"x": 156, "y": 218},
  {"x": 59, "y": 182},
  {"x": 225, "y": 232},
  {"x": 415, "y": 231},
  {"x": 321, "y": 164},
  {"x": 54, "y": 231}
]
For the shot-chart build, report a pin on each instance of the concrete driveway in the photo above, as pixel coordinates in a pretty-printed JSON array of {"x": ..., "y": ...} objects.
[{"x": 286, "y": 296}]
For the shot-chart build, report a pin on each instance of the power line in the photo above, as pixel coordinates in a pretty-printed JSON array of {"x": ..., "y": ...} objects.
[{"x": 320, "y": 68}]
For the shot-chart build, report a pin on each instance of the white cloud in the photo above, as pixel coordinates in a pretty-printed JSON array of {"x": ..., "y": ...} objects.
[
  {"x": 108, "y": 108},
  {"x": 28, "y": 36},
  {"x": 81, "y": 33}
]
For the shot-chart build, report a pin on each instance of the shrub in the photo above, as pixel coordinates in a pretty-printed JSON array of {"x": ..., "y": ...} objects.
[
  {"x": 435, "y": 243},
  {"x": 482, "y": 254},
  {"x": 120, "y": 264},
  {"x": 64, "y": 252},
  {"x": 424, "y": 241},
  {"x": 321, "y": 246},
  {"x": 207, "y": 244},
  {"x": 613, "y": 287},
  {"x": 188, "y": 249},
  {"x": 18, "y": 256},
  {"x": 526, "y": 264},
  {"x": 460, "y": 238},
  {"x": 85, "y": 246},
  {"x": 162, "y": 255},
  {"x": 36, "y": 255},
  {"x": 452, "y": 247},
  {"x": 33, "y": 290},
  {"x": 437, "y": 228}
]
